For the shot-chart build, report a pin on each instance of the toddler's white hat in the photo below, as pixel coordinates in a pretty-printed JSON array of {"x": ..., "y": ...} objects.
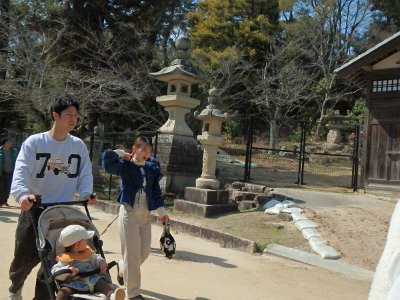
[{"x": 74, "y": 233}]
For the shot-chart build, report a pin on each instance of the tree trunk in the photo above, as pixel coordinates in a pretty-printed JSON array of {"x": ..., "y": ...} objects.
[
  {"x": 317, "y": 134},
  {"x": 274, "y": 128},
  {"x": 4, "y": 34},
  {"x": 273, "y": 134}
]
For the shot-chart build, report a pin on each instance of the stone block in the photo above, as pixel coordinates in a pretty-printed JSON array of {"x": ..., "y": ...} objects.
[
  {"x": 241, "y": 196},
  {"x": 255, "y": 188},
  {"x": 206, "y": 196},
  {"x": 180, "y": 158},
  {"x": 246, "y": 205},
  {"x": 204, "y": 210},
  {"x": 237, "y": 185}
]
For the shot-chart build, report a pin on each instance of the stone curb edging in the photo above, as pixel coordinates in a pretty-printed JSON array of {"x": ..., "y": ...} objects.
[
  {"x": 316, "y": 260},
  {"x": 224, "y": 239}
]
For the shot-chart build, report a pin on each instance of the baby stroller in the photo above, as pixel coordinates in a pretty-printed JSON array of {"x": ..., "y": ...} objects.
[{"x": 54, "y": 218}]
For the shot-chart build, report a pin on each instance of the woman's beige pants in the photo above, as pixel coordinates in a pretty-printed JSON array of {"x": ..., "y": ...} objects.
[{"x": 134, "y": 226}]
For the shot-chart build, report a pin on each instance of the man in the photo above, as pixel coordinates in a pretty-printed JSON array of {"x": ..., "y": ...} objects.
[
  {"x": 56, "y": 166},
  {"x": 8, "y": 155}
]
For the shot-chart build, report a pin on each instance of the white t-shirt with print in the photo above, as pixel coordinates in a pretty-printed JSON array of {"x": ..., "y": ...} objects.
[{"x": 56, "y": 170}]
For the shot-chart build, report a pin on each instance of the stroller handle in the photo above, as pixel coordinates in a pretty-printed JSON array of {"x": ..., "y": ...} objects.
[
  {"x": 38, "y": 202},
  {"x": 80, "y": 274}
]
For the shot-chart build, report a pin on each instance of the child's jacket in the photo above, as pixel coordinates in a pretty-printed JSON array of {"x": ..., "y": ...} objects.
[{"x": 85, "y": 262}]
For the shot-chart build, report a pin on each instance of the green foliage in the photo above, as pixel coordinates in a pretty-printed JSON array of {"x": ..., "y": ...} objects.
[
  {"x": 223, "y": 25},
  {"x": 325, "y": 83},
  {"x": 356, "y": 114},
  {"x": 295, "y": 135},
  {"x": 232, "y": 128}
]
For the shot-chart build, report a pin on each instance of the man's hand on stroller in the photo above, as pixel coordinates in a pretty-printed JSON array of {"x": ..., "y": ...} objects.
[{"x": 26, "y": 202}]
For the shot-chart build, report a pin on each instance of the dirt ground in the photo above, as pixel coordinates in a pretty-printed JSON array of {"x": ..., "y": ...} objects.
[{"x": 356, "y": 232}]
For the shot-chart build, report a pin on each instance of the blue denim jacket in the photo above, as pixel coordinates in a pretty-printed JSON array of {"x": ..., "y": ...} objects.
[{"x": 132, "y": 179}]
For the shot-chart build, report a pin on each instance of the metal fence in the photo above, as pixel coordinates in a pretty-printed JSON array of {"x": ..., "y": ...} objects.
[{"x": 305, "y": 163}]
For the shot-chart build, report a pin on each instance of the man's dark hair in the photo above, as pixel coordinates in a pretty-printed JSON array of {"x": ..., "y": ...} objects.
[
  {"x": 4, "y": 140},
  {"x": 61, "y": 103}
]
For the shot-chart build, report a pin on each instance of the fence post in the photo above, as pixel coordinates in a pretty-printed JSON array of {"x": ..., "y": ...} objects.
[
  {"x": 91, "y": 146},
  {"x": 110, "y": 180},
  {"x": 248, "y": 149},
  {"x": 356, "y": 150},
  {"x": 155, "y": 145},
  {"x": 251, "y": 147},
  {"x": 303, "y": 153},
  {"x": 301, "y": 165}
]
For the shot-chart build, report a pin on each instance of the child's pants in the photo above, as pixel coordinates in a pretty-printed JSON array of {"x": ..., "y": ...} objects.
[
  {"x": 101, "y": 287},
  {"x": 134, "y": 226}
]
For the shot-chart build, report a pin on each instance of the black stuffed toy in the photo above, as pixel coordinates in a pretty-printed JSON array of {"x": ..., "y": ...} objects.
[{"x": 167, "y": 242}]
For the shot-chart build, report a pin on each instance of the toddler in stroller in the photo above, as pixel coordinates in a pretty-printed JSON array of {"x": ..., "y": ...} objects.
[
  {"x": 79, "y": 257},
  {"x": 71, "y": 255}
]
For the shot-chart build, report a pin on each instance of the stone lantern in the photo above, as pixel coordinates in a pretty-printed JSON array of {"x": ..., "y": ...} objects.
[
  {"x": 177, "y": 149},
  {"x": 207, "y": 199},
  {"x": 335, "y": 124},
  {"x": 211, "y": 139}
]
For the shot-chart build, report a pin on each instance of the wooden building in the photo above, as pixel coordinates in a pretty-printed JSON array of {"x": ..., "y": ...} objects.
[{"x": 377, "y": 71}]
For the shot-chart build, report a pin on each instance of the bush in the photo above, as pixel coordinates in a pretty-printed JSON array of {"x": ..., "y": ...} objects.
[{"x": 232, "y": 129}]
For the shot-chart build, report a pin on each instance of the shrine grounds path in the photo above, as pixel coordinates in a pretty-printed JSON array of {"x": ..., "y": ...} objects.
[{"x": 203, "y": 270}]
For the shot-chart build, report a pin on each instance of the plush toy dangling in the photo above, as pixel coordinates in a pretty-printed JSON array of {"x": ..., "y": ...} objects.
[{"x": 167, "y": 242}]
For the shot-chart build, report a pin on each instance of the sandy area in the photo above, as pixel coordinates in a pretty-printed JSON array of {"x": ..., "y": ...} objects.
[{"x": 359, "y": 233}]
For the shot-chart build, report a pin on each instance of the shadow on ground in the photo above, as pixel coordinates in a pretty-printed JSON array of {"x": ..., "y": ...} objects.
[
  {"x": 5, "y": 216},
  {"x": 198, "y": 258},
  {"x": 156, "y": 296}
]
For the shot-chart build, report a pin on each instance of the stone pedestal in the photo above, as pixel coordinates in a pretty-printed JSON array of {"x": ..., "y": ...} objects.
[
  {"x": 205, "y": 202},
  {"x": 96, "y": 154},
  {"x": 180, "y": 160},
  {"x": 208, "y": 179}
]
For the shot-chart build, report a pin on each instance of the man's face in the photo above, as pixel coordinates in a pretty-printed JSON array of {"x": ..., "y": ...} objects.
[
  {"x": 8, "y": 144},
  {"x": 68, "y": 118}
]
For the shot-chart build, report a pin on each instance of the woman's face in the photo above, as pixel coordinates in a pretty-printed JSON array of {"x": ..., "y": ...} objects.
[{"x": 141, "y": 152}]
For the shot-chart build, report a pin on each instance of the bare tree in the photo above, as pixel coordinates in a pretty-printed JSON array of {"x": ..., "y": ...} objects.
[
  {"x": 4, "y": 33},
  {"x": 38, "y": 72},
  {"x": 330, "y": 29},
  {"x": 284, "y": 88}
]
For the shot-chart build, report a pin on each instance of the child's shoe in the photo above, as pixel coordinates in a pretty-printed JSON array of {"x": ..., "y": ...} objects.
[{"x": 119, "y": 294}]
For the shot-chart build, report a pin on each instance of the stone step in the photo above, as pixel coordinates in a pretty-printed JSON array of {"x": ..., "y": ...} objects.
[{"x": 204, "y": 210}]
